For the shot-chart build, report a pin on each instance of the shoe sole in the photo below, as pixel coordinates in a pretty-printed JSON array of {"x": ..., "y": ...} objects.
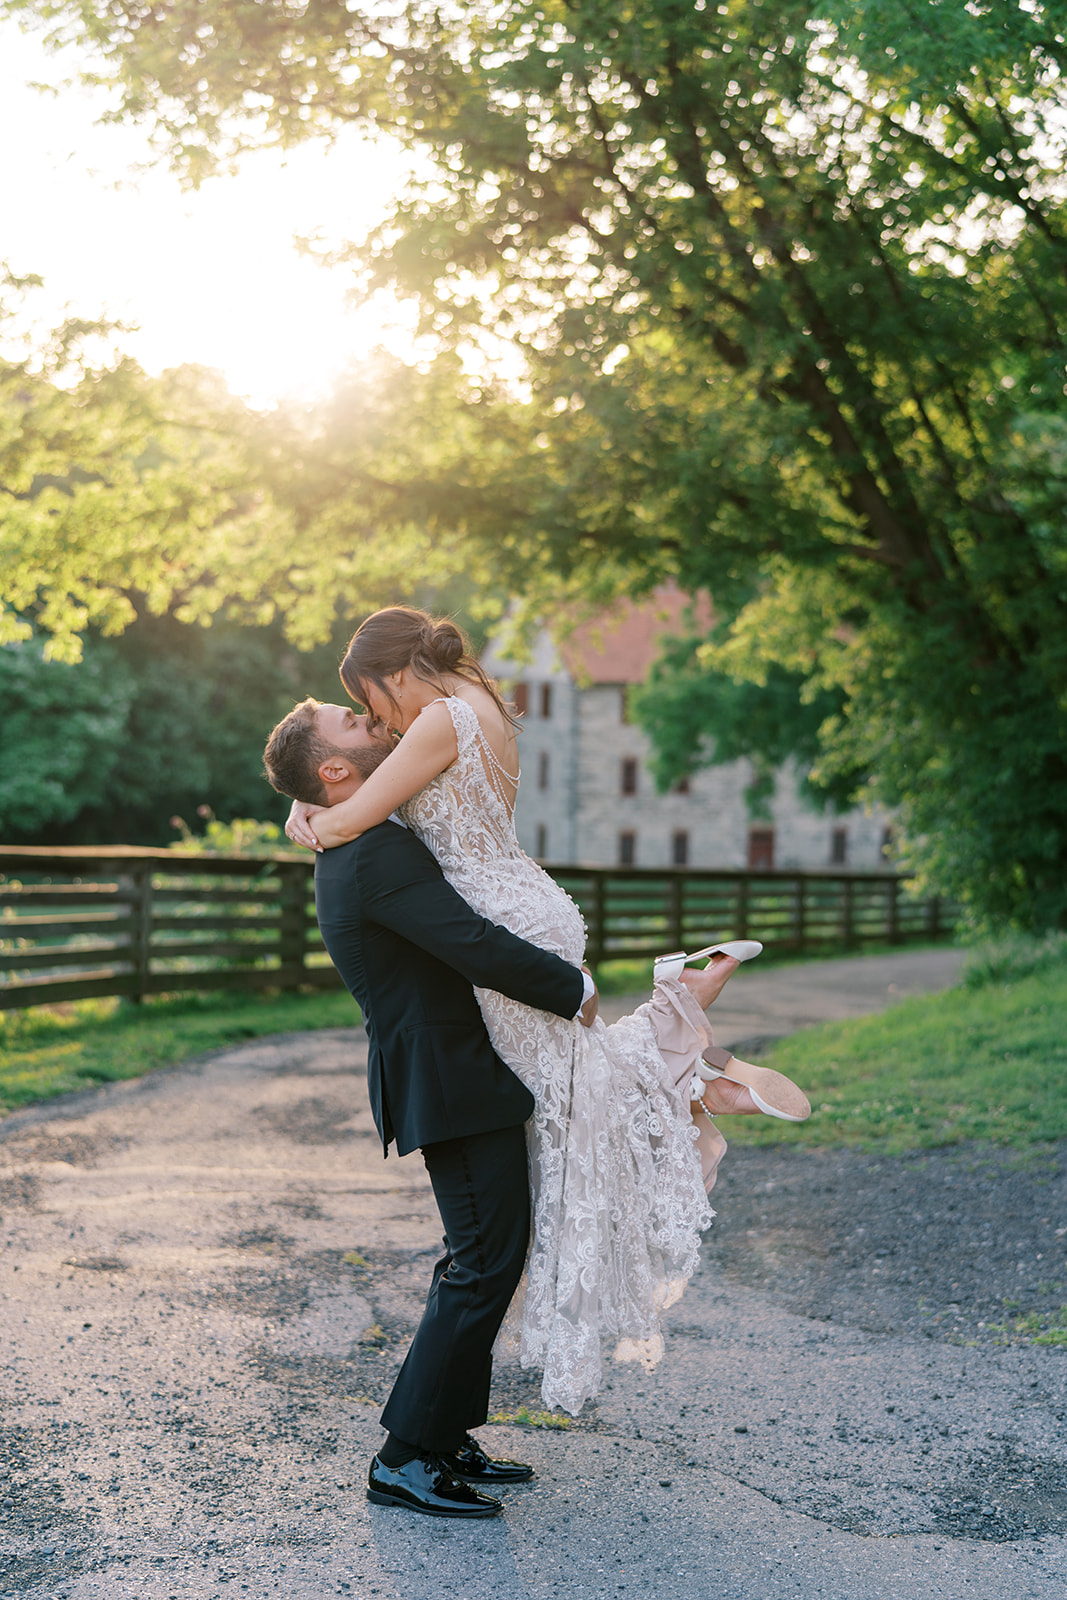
[
  {"x": 774, "y": 1093},
  {"x": 492, "y": 1483},
  {"x": 377, "y": 1498}
]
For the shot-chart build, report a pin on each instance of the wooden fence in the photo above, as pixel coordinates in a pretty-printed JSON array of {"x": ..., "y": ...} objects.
[
  {"x": 118, "y": 920},
  {"x": 640, "y": 912},
  {"x": 128, "y": 921}
]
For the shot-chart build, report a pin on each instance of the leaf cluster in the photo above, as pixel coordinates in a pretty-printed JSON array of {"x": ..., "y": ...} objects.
[
  {"x": 699, "y": 717},
  {"x": 121, "y": 494},
  {"x": 166, "y": 722}
]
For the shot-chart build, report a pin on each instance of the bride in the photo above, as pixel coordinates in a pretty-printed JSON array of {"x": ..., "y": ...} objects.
[{"x": 619, "y": 1167}]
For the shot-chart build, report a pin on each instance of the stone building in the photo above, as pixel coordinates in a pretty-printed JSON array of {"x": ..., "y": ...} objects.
[{"x": 587, "y": 795}]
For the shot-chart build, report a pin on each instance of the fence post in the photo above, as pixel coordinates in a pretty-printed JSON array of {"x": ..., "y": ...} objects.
[
  {"x": 600, "y": 901},
  {"x": 799, "y": 914},
  {"x": 140, "y": 881},
  {"x": 594, "y": 917},
  {"x": 675, "y": 939},
  {"x": 292, "y": 942},
  {"x": 933, "y": 917},
  {"x": 742, "y": 906},
  {"x": 893, "y": 912},
  {"x": 847, "y": 930}
]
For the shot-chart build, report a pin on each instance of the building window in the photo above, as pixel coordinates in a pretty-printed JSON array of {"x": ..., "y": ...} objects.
[
  {"x": 542, "y": 842},
  {"x": 628, "y": 776},
  {"x": 624, "y": 704},
  {"x": 839, "y": 847},
  {"x": 627, "y": 849},
  {"x": 680, "y": 848},
  {"x": 760, "y": 848},
  {"x": 519, "y": 697},
  {"x": 546, "y": 699},
  {"x": 542, "y": 770},
  {"x": 888, "y": 842}
]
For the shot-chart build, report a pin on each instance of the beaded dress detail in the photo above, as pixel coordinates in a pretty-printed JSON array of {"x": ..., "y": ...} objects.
[{"x": 618, "y": 1169}]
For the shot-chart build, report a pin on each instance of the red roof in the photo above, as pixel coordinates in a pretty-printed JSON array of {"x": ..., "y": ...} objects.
[{"x": 620, "y": 645}]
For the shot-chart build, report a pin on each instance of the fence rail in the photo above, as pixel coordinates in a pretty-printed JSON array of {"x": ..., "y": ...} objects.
[
  {"x": 642, "y": 912},
  {"x": 118, "y": 920}
]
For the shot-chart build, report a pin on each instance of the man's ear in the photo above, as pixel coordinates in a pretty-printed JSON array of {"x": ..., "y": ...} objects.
[{"x": 334, "y": 771}]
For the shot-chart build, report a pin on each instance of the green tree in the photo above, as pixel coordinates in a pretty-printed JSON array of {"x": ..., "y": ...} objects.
[
  {"x": 124, "y": 496},
  {"x": 136, "y": 511},
  {"x": 699, "y": 717},
  {"x": 791, "y": 282},
  {"x": 121, "y": 493},
  {"x": 59, "y": 738},
  {"x": 167, "y": 720}
]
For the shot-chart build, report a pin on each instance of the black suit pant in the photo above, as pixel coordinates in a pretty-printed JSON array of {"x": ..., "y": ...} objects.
[{"x": 482, "y": 1188}]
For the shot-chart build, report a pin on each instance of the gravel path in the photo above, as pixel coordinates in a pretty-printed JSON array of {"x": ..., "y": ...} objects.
[{"x": 209, "y": 1276}]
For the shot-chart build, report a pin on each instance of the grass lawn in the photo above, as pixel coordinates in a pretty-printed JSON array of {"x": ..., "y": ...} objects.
[
  {"x": 50, "y": 1051},
  {"x": 985, "y": 1063}
]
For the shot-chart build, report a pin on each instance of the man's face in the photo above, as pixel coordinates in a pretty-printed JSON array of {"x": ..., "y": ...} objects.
[
  {"x": 341, "y": 727},
  {"x": 348, "y": 734}
]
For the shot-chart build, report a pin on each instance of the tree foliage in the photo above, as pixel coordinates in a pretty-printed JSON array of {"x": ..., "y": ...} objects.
[
  {"x": 791, "y": 281},
  {"x": 701, "y": 718},
  {"x": 123, "y": 495},
  {"x": 168, "y": 720},
  {"x": 120, "y": 493}
]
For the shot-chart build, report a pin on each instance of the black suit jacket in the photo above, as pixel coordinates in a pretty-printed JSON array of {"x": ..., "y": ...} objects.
[{"x": 409, "y": 949}]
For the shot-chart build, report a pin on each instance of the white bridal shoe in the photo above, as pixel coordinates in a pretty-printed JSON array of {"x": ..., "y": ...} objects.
[
  {"x": 774, "y": 1093},
  {"x": 673, "y": 965}
]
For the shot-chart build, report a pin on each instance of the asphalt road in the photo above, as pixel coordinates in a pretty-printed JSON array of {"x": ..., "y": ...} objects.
[{"x": 209, "y": 1276}]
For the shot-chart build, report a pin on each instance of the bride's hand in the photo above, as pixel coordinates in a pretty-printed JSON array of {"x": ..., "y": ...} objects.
[
  {"x": 587, "y": 1015},
  {"x": 298, "y": 824}
]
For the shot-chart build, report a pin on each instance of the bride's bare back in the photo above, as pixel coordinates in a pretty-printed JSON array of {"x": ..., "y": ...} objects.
[{"x": 500, "y": 751}]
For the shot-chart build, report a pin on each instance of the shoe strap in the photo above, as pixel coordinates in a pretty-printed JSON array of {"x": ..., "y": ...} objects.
[{"x": 716, "y": 1056}]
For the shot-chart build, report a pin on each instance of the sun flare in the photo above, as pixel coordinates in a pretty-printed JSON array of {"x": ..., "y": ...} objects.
[{"x": 212, "y": 277}]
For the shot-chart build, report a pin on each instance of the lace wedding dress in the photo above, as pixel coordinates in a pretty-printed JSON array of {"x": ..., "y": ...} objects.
[{"x": 619, "y": 1170}]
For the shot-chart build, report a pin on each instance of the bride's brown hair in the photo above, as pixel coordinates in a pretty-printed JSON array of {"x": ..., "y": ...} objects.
[{"x": 401, "y": 636}]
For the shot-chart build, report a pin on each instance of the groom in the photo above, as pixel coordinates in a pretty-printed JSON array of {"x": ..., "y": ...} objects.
[{"x": 409, "y": 949}]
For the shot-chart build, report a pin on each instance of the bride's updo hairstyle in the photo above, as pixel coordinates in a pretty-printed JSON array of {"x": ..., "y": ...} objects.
[{"x": 401, "y": 636}]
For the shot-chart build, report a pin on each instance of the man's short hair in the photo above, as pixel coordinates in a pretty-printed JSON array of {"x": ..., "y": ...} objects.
[{"x": 296, "y": 750}]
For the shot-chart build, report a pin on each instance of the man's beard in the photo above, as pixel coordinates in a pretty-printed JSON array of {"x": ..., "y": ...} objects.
[{"x": 368, "y": 758}]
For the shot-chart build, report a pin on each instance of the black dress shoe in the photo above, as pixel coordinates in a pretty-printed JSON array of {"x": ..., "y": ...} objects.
[
  {"x": 426, "y": 1484},
  {"x": 471, "y": 1461}
]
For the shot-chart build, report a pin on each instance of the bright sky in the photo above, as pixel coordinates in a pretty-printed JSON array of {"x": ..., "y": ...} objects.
[{"x": 211, "y": 277}]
